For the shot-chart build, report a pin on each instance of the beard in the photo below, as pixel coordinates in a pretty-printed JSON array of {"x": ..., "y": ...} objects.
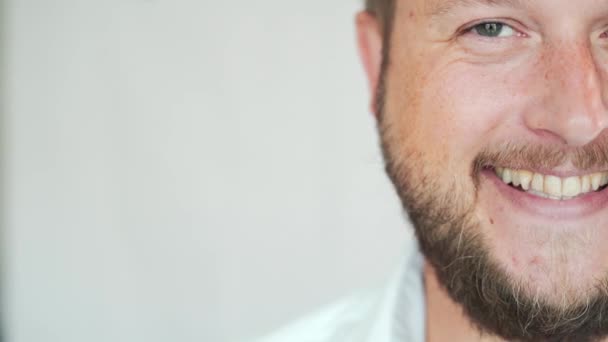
[{"x": 450, "y": 235}]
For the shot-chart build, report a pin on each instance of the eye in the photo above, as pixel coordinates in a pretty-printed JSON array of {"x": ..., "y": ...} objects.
[{"x": 493, "y": 29}]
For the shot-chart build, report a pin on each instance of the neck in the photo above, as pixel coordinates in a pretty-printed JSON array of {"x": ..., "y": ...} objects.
[{"x": 446, "y": 321}]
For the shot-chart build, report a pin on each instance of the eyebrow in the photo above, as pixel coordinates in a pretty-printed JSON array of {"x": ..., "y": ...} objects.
[{"x": 440, "y": 8}]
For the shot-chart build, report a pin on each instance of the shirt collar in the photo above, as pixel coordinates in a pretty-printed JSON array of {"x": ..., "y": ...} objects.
[{"x": 401, "y": 315}]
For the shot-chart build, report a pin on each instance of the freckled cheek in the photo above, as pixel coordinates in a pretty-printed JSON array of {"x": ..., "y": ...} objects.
[{"x": 465, "y": 107}]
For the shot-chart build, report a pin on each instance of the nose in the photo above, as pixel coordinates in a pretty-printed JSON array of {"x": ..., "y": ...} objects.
[{"x": 573, "y": 107}]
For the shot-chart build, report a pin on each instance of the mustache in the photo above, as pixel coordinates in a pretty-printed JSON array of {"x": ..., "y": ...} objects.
[{"x": 591, "y": 157}]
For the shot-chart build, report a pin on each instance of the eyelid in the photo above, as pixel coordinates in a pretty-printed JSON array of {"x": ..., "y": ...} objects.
[{"x": 468, "y": 28}]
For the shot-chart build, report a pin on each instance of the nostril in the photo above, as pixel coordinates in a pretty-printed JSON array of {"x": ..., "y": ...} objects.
[
  {"x": 573, "y": 131},
  {"x": 550, "y": 136}
]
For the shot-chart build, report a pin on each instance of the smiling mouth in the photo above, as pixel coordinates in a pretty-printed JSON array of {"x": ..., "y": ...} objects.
[{"x": 553, "y": 187}]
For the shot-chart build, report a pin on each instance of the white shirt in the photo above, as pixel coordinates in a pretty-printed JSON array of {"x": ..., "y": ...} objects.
[{"x": 395, "y": 313}]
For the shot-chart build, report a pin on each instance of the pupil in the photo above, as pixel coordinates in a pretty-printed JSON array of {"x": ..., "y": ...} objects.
[{"x": 490, "y": 29}]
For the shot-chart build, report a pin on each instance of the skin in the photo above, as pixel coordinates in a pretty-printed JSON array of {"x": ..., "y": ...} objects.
[{"x": 451, "y": 93}]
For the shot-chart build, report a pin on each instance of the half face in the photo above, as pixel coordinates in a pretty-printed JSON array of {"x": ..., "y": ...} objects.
[{"x": 493, "y": 127}]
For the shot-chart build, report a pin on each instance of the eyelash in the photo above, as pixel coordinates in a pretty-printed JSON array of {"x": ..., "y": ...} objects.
[
  {"x": 518, "y": 33},
  {"x": 471, "y": 28}
]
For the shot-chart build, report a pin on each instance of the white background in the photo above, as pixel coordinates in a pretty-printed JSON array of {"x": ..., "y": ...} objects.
[{"x": 186, "y": 170}]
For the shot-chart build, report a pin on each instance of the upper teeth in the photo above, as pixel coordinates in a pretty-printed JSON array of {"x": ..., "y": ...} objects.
[{"x": 552, "y": 186}]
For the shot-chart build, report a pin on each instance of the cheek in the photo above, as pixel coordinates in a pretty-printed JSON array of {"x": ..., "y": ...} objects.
[
  {"x": 463, "y": 107},
  {"x": 447, "y": 109}
]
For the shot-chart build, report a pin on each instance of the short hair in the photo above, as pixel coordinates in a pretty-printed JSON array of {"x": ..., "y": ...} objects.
[{"x": 384, "y": 11}]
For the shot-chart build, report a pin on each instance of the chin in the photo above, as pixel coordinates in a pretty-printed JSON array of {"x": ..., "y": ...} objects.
[
  {"x": 523, "y": 265},
  {"x": 549, "y": 249}
]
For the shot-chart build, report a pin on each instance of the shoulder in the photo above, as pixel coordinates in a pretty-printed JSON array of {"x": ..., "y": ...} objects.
[{"x": 369, "y": 316}]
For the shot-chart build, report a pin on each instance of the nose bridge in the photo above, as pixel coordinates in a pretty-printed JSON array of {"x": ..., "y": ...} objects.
[{"x": 577, "y": 112}]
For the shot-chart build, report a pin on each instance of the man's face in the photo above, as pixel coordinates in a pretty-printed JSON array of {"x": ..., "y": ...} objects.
[{"x": 493, "y": 127}]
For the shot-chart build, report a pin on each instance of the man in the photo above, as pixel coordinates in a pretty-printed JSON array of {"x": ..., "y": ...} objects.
[{"x": 492, "y": 116}]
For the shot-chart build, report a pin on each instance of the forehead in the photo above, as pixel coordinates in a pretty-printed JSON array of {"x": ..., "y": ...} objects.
[
  {"x": 442, "y": 6},
  {"x": 438, "y": 7},
  {"x": 551, "y": 10}
]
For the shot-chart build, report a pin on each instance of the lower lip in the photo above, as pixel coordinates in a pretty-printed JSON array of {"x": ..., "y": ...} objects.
[{"x": 572, "y": 209}]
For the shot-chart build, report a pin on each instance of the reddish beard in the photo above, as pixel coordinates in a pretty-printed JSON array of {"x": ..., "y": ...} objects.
[{"x": 449, "y": 236}]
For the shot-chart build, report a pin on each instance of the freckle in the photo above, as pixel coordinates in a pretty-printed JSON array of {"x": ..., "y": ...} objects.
[
  {"x": 535, "y": 261},
  {"x": 491, "y": 220}
]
